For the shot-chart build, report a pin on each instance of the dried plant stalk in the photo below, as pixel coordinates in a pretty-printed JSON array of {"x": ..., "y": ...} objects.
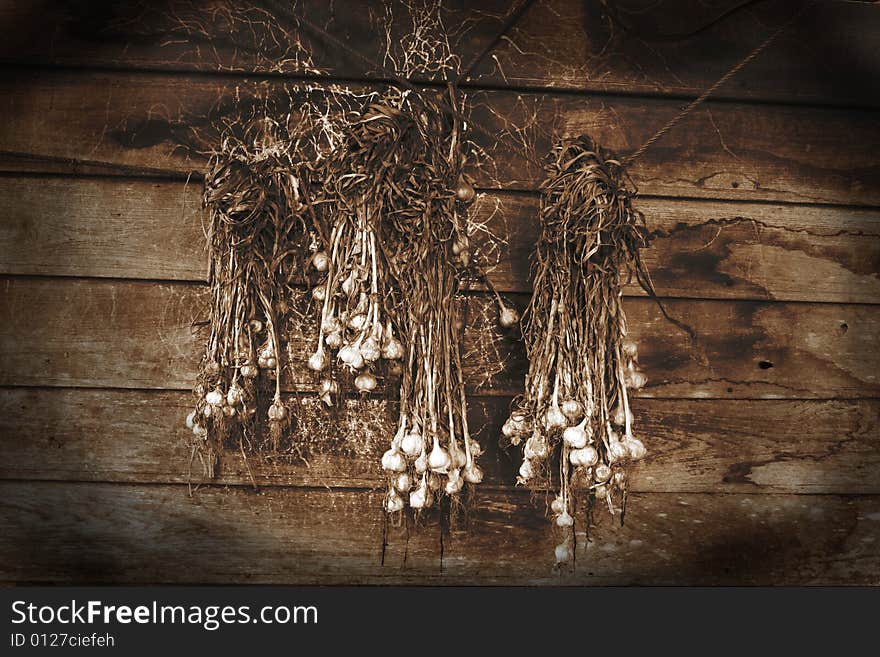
[{"x": 575, "y": 413}]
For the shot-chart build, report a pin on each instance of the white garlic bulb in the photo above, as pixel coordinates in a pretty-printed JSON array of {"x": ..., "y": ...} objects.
[
  {"x": 564, "y": 519},
  {"x": 554, "y": 418},
  {"x": 508, "y": 317},
  {"x": 473, "y": 474},
  {"x": 393, "y": 461},
  {"x": 318, "y": 360},
  {"x": 572, "y": 409},
  {"x": 320, "y": 261},
  {"x": 575, "y": 437},
  {"x": 365, "y": 382},
  {"x": 439, "y": 459},
  {"x": 412, "y": 444}
]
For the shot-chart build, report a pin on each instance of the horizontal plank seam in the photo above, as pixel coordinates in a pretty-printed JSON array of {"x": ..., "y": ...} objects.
[
  {"x": 7, "y": 65},
  {"x": 506, "y": 490},
  {"x": 509, "y": 192},
  {"x": 471, "y": 395},
  {"x": 469, "y": 292}
]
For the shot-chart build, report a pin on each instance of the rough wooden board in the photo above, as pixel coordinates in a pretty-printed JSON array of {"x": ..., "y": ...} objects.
[
  {"x": 51, "y": 532},
  {"x": 694, "y": 445},
  {"x": 563, "y": 44},
  {"x": 153, "y": 123},
  {"x": 110, "y": 227},
  {"x": 128, "y": 334}
]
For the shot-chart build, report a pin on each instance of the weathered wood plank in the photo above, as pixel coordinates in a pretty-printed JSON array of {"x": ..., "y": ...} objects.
[
  {"x": 695, "y": 445},
  {"x": 61, "y": 533},
  {"x": 138, "y": 335},
  {"x": 102, "y": 227},
  {"x": 747, "y": 152},
  {"x": 561, "y": 44},
  {"x": 107, "y": 227}
]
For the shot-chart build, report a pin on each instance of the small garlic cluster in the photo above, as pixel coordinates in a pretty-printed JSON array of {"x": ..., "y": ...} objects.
[
  {"x": 595, "y": 445},
  {"x": 227, "y": 393},
  {"x": 351, "y": 321},
  {"x": 422, "y": 464}
]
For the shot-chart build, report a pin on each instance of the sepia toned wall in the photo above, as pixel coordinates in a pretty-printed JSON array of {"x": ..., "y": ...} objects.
[{"x": 764, "y": 208}]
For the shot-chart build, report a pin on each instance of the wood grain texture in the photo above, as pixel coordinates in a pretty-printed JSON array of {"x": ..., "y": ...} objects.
[
  {"x": 139, "y": 335},
  {"x": 62, "y": 533},
  {"x": 824, "y": 57},
  {"x": 155, "y": 230},
  {"x": 152, "y": 123},
  {"x": 717, "y": 446}
]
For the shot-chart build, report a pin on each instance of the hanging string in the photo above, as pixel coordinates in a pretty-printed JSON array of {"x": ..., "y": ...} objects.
[{"x": 699, "y": 100}]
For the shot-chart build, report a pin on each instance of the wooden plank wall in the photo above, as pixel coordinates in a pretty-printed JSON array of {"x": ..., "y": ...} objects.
[{"x": 764, "y": 463}]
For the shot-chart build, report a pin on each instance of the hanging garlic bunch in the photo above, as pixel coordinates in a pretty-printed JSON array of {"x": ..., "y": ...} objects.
[
  {"x": 388, "y": 291},
  {"x": 576, "y": 406}
]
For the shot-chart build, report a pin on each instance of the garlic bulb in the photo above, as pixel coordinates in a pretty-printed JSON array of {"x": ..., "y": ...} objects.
[
  {"x": 508, "y": 317},
  {"x": 572, "y": 409},
  {"x": 318, "y": 360},
  {"x": 365, "y": 382},
  {"x": 393, "y": 349},
  {"x": 200, "y": 431},
  {"x": 454, "y": 486},
  {"x": 320, "y": 261},
  {"x": 564, "y": 519},
  {"x": 277, "y": 411},
  {"x": 421, "y": 464},
  {"x": 575, "y": 437},
  {"x": 554, "y": 418},
  {"x": 563, "y": 553},
  {"x": 439, "y": 459},
  {"x": 191, "y": 420},
  {"x": 475, "y": 447},
  {"x": 333, "y": 340},
  {"x": 602, "y": 472},
  {"x": 418, "y": 499},
  {"x": 271, "y": 363},
  {"x": 457, "y": 455},
  {"x": 357, "y": 321},
  {"x": 393, "y": 461},
  {"x": 601, "y": 492},
  {"x": 557, "y": 505},
  {"x": 638, "y": 380},
  {"x": 249, "y": 371},
  {"x": 526, "y": 470},
  {"x": 630, "y": 349},
  {"x": 539, "y": 446},
  {"x": 635, "y": 448},
  {"x": 330, "y": 325},
  {"x": 319, "y": 293},
  {"x": 370, "y": 349},
  {"x": 393, "y": 502},
  {"x": 234, "y": 395},
  {"x": 412, "y": 444},
  {"x": 403, "y": 482},
  {"x": 465, "y": 192},
  {"x": 617, "y": 451},
  {"x": 473, "y": 474},
  {"x": 229, "y": 411},
  {"x": 586, "y": 456},
  {"x": 509, "y": 429},
  {"x": 215, "y": 397}
]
